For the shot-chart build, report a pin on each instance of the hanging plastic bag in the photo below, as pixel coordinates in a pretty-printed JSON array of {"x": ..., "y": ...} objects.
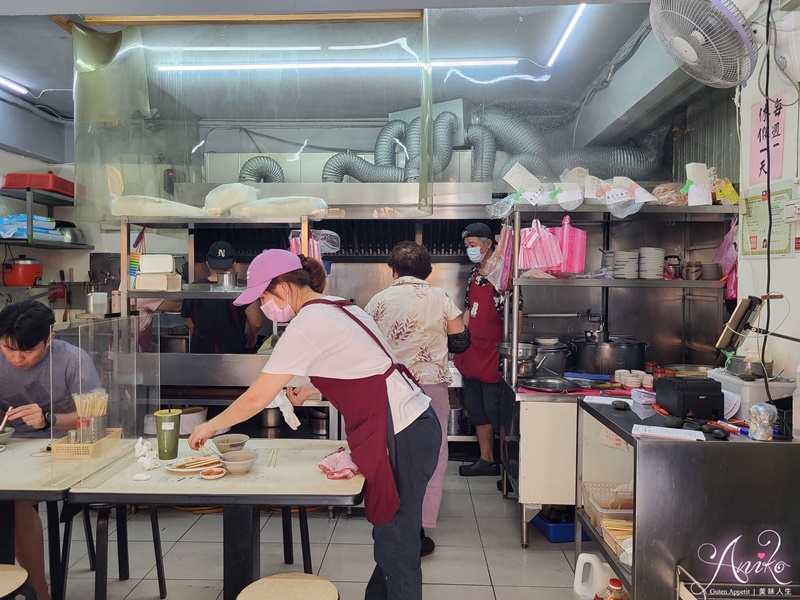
[
  {"x": 727, "y": 255},
  {"x": 544, "y": 251},
  {"x": 498, "y": 267},
  {"x": 500, "y": 209},
  {"x": 732, "y": 284},
  {"x": 572, "y": 242},
  {"x": 295, "y": 247},
  {"x": 329, "y": 241}
]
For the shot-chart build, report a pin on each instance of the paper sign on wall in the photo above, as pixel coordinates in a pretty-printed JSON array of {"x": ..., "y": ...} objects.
[
  {"x": 763, "y": 137},
  {"x": 755, "y": 223}
]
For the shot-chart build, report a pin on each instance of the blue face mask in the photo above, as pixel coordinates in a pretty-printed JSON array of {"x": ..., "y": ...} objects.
[{"x": 475, "y": 255}]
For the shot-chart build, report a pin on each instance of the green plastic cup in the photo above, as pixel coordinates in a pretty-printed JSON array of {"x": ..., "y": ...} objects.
[{"x": 168, "y": 426}]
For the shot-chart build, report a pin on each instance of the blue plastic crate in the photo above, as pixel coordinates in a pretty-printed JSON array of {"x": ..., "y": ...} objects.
[{"x": 557, "y": 532}]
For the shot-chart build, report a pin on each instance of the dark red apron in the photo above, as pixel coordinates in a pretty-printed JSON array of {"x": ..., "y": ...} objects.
[
  {"x": 364, "y": 404},
  {"x": 481, "y": 361}
]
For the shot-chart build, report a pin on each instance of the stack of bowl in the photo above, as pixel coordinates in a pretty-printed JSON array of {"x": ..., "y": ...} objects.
[
  {"x": 626, "y": 264},
  {"x": 651, "y": 263},
  {"x": 712, "y": 271}
]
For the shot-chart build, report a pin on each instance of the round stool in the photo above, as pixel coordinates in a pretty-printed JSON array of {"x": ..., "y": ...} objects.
[
  {"x": 290, "y": 586},
  {"x": 14, "y": 580}
]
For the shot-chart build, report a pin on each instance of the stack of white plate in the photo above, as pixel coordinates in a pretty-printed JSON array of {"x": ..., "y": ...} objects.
[
  {"x": 651, "y": 263},
  {"x": 608, "y": 260},
  {"x": 626, "y": 264}
]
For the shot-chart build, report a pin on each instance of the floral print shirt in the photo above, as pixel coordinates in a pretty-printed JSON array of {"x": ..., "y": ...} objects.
[{"x": 413, "y": 316}]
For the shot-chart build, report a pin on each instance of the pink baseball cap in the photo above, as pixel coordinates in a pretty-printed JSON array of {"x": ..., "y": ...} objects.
[{"x": 265, "y": 267}]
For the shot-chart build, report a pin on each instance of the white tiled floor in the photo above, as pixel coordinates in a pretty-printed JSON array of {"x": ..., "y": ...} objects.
[{"x": 477, "y": 557}]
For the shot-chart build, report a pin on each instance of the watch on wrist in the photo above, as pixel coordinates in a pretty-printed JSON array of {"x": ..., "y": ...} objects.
[{"x": 49, "y": 420}]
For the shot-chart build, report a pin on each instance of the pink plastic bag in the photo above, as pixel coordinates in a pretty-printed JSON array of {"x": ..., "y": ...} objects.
[
  {"x": 498, "y": 267},
  {"x": 572, "y": 242},
  {"x": 732, "y": 284},
  {"x": 727, "y": 255},
  {"x": 541, "y": 247}
]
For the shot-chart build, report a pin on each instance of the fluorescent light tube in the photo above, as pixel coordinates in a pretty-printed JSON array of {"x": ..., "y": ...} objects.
[
  {"x": 14, "y": 87},
  {"x": 566, "y": 34},
  {"x": 340, "y": 65}
]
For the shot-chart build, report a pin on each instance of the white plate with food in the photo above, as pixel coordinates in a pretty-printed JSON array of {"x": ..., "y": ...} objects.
[
  {"x": 194, "y": 464},
  {"x": 213, "y": 473}
]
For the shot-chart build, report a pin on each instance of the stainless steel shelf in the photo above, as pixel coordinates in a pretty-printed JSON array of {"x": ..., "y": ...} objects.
[
  {"x": 462, "y": 438},
  {"x": 189, "y": 222},
  {"x": 620, "y": 283},
  {"x": 188, "y": 294},
  {"x": 524, "y": 206},
  {"x": 45, "y": 245},
  {"x": 611, "y": 557},
  {"x": 40, "y": 197}
]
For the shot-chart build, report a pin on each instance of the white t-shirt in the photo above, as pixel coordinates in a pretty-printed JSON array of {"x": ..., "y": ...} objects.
[{"x": 323, "y": 341}]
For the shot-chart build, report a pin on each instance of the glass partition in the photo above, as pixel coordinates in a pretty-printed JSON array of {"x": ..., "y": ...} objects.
[
  {"x": 99, "y": 380},
  {"x": 170, "y": 112}
]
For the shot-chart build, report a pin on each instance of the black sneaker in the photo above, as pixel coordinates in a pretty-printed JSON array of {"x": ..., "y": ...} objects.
[
  {"x": 426, "y": 544},
  {"x": 478, "y": 468}
]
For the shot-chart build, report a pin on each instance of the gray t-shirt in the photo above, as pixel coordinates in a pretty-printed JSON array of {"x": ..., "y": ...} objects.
[{"x": 73, "y": 372}]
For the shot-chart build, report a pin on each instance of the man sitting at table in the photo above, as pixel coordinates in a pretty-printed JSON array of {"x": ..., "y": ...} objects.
[{"x": 29, "y": 356}]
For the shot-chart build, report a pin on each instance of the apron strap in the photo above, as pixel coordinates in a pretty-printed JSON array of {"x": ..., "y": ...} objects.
[{"x": 395, "y": 365}]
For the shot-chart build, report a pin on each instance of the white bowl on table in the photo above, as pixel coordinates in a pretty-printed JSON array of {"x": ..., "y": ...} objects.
[{"x": 239, "y": 462}]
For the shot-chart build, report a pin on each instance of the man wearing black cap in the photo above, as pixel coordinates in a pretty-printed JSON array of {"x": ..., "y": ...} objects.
[
  {"x": 217, "y": 326},
  {"x": 480, "y": 364}
]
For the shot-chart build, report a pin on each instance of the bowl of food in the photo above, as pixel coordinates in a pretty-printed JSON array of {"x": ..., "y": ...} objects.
[
  {"x": 213, "y": 473},
  {"x": 6, "y": 434},
  {"x": 239, "y": 461},
  {"x": 230, "y": 442}
]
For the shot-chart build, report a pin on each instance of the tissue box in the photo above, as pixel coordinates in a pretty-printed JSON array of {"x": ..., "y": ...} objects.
[{"x": 157, "y": 282}]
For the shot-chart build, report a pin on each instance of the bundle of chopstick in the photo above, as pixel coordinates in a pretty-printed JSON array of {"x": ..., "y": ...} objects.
[
  {"x": 91, "y": 404},
  {"x": 198, "y": 462}
]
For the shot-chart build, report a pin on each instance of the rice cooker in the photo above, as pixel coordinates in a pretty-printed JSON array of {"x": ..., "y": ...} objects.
[{"x": 22, "y": 271}]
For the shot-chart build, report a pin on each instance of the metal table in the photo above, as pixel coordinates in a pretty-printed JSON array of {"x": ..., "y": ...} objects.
[
  {"x": 30, "y": 477},
  {"x": 294, "y": 481}
]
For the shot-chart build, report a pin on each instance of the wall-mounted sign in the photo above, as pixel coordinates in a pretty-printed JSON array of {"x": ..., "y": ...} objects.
[
  {"x": 755, "y": 222},
  {"x": 763, "y": 137}
]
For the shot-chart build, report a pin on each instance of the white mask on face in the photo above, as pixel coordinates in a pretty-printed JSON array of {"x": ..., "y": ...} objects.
[{"x": 475, "y": 254}]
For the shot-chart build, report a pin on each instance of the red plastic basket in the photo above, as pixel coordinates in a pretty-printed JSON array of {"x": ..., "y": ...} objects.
[{"x": 39, "y": 181}]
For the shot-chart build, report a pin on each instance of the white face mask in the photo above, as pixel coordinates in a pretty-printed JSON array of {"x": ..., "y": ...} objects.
[{"x": 475, "y": 254}]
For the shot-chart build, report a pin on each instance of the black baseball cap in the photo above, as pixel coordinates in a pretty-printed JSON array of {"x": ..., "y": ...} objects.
[
  {"x": 221, "y": 255},
  {"x": 479, "y": 230}
]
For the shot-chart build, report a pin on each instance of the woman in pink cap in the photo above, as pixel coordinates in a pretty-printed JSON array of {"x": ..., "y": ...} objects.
[{"x": 393, "y": 434}]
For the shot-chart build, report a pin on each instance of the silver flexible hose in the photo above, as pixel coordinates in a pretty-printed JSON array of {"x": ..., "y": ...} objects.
[
  {"x": 388, "y": 137},
  {"x": 261, "y": 169},
  {"x": 534, "y": 163},
  {"x": 483, "y": 153},
  {"x": 514, "y": 134},
  {"x": 444, "y": 127},
  {"x": 347, "y": 163}
]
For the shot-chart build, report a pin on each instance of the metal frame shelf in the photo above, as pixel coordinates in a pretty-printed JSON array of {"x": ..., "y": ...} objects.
[
  {"x": 621, "y": 283},
  {"x": 611, "y": 558},
  {"x": 46, "y": 198},
  {"x": 524, "y": 206}
]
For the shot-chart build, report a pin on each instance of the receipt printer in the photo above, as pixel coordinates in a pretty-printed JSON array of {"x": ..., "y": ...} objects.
[{"x": 691, "y": 397}]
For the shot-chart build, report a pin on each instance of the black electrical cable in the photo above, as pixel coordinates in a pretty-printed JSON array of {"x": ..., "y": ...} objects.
[{"x": 768, "y": 136}]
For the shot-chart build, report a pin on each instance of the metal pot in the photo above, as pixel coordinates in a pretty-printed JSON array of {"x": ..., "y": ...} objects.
[
  {"x": 173, "y": 343},
  {"x": 227, "y": 280},
  {"x": 607, "y": 357},
  {"x": 598, "y": 335},
  {"x": 525, "y": 351},
  {"x": 318, "y": 426},
  {"x": 528, "y": 368},
  {"x": 739, "y": 366},
  {"x": 271, "y": 417},
  {"x": 556, "y": 357}
]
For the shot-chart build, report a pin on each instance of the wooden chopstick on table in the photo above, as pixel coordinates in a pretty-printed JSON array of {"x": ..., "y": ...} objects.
[
  {"x": 273, "y": 460},
  {"x": 5, "y": 419}
]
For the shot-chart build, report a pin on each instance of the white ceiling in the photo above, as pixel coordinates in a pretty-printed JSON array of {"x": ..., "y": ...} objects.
[{"x": 38, "y": 54}]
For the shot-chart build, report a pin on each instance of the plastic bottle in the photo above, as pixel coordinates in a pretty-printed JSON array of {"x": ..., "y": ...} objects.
[
  {"x": 796, "y": 407},
  {"x": 591, "y": 575},
  {"x": 614, "y": 591}
]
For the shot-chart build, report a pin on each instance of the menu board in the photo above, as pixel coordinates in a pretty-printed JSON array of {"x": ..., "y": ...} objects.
[{"x": 755, "y": 223}]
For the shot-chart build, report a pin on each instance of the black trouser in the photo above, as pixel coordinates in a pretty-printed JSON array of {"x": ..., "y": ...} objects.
[{"x": 398, "y": 574}]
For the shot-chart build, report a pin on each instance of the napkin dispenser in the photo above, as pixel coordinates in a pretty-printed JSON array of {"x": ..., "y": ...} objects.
[{"x": 691, "y": 397}]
